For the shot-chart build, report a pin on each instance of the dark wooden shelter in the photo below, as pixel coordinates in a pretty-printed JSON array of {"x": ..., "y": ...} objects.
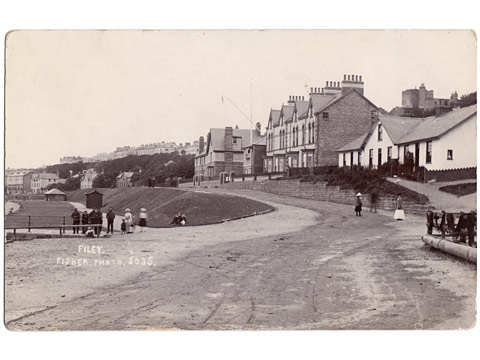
[{"x": 94, "y": 199}]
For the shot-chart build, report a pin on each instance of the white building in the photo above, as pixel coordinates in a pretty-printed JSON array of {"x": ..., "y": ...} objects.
[
  {"x": 87, "y": 179},
  {"x": 444, "y": 143},
  {"x": 40, "y": 182},
  {"x": 124, "y": 179}
]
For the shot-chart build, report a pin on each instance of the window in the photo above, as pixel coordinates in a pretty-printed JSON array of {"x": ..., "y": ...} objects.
[
  {"x": 351, "y": 158},
  {"x": 234, "y": 140},
  {"x": 370, "y": 158},
  {"x": 449, "y": 154},
  {"x": 294, "y": 137},
  {"x": 359, "y": 157},
  {"x": 379, "y": 163},
  {"x": 389, "y": 153},
  {"x": 286, "y": 139},
  {"x": 303, "y": 134},
  {"x": 373, "y": 114},
  {"x": 309, "y": 133},
  {"x": 344, "y": 159},
  {"x": 428, "y": 159},
  {"x": 380, "y": 132},
  {"x": 325, "y": 115}
]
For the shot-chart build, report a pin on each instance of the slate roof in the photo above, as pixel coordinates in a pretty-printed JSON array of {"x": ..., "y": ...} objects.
[
  {"x": 48, "y": 176},
  {"x": 320, "y": 102},
  {"x": 302, "y": 109},
  {"x": 437, "y": 126},
  {"x": 287, "y": 111},
  {"x": 356, "y": 144},
  {"x": 260, "y": 141},
  {"x": 397, "y": 126},
  {"x": 217, "y": 137},
  {"x": 127, "y": 174},
  {"x": 275, "y": 115}
]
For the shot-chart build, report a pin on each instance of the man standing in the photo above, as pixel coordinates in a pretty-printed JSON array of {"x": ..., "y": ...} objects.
[
  {"x": 110, "y": 218},
  {"x": 76, "y": 221},
  {"x": 99, "y": 221},
  {"x": 84, "y": 222},
  {"x": 92, "y": 219}
]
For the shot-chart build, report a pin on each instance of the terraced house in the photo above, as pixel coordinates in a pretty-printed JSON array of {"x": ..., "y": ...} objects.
[{"x": 306, "y": 134}]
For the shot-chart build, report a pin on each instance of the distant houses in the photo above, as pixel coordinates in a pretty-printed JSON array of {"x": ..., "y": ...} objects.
[
  {"x": 124, "y": 180},
  {"x": 445, "y": 145},
  {"x": 26, "y": 181},
  {"x": 87, "y": 179},
  {"x": 40, "y": 182}
]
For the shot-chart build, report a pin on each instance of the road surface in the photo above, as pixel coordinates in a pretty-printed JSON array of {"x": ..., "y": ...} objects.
[{"x": 307, "y": 265}]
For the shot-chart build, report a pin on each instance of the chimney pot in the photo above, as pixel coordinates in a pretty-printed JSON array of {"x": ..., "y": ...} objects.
[
  {"x": 311, "y": 89},
  {"x": 360, "y": 77},
  {"x": 348, "y": 77},
  {"x": 344, "y": 77},
  {"x": 356, "y": 77},
  {"x": 326, "y": 83},
  {"x": 353, "y": 77}
]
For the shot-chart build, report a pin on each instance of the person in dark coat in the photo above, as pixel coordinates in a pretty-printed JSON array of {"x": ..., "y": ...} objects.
[
  {"x": 110, "y": 219},
  {"x": 99, "y": 221},
  {"x": 76, "y": 221},
  {"x": 358, "y": 205},
  {"x": 373, "y": 201},
  {"x": 84, "y": 222},
  {"x": 471, "y": 221}
]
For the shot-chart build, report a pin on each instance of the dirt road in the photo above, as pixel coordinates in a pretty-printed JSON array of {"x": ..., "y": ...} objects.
[{"x": 308, "y": 265}]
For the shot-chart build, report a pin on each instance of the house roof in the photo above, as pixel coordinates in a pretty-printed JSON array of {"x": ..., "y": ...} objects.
[
  {"x": 320, "y": 102},
  {"x": 48, "y": 176},
  {"x": 356, "y": 144},
  {"x": 126, "y": 174},
  {"x": 398, "y": 126},
  {"x": 302, "y": 108},
  {"x": 217, "y": 138},
  {"x": 54, "y": 192},
  {"x": 287, "y": 112},
  {"x": 260, "y": 141},
  {"x": 93, "y": 191},
  {"x": 437, "y": 126},
  {"x": 275, "y": 116}
]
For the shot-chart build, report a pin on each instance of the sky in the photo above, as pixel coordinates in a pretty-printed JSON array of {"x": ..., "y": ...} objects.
[{"x": 70, "y": 93}]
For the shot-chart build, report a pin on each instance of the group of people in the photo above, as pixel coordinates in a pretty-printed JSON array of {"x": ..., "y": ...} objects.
[
  {"x": 445, "y": 223},
  {"x": 398, "y": 215},
  {"x": 179, "y": 219},
  {"x": 95, "y": 217}
]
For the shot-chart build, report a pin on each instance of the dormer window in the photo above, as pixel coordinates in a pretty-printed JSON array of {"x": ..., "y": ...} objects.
[
  {"x": 325, "y": 115},
  {"x": 380, "y": 132}
]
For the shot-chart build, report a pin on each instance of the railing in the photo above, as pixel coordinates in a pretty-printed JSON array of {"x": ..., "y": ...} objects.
[
  {"x": 33, "y": 221},
  {"x": 61, "y": 228}
]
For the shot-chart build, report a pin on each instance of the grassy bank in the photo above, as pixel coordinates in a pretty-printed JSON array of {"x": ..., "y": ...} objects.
[{"x": 162, "y": 203}]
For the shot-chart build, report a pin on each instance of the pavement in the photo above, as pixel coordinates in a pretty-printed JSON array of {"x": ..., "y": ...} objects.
[
  {"x": 307, "y": 265},
  {"x": 439, "y": 199}
]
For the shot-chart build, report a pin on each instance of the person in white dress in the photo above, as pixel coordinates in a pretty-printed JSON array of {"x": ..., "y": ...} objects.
[
  {"x": 399, "y": 213},
  {"x": 129, "y": 221}
]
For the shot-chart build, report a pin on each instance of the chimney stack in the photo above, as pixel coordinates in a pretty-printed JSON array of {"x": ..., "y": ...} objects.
[
  {"x": 201, "y": 144},
  {"x": 258, "y": 128}
]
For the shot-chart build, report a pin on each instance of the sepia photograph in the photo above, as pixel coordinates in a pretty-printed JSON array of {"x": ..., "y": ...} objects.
[{"x": 240, "y": 180}]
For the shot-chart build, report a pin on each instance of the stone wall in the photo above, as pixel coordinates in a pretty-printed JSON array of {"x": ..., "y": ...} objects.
[{"x": 322, "y": 192}]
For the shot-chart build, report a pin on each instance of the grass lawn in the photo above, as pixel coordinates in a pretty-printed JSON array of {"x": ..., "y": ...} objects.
[
  {"x": 460, "y": 189},
  {"x": 43, "y": 213},
  {"x": 162, "y": 203}
]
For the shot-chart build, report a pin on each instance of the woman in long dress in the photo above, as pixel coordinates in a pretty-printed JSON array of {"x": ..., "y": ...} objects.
[
  {"x": 399, "y": 213},
  {"x": 128, "y": 220},
  {"x": 143, "y": 219}
]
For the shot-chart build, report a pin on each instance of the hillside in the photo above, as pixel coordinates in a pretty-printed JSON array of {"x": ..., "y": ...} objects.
[{"x": 200, "y": 208}]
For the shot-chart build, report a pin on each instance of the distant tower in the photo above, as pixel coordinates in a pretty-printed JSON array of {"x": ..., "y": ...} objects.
[{"x": 454, "y": 98}]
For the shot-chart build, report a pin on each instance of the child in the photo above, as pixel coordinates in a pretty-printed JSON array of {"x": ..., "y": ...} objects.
[
  {"x": 358, "y": 205},
  {"x": 123, "y": 227}
]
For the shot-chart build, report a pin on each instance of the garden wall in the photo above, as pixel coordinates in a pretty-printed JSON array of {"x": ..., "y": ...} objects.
[{"x": 322, "y": 192}]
